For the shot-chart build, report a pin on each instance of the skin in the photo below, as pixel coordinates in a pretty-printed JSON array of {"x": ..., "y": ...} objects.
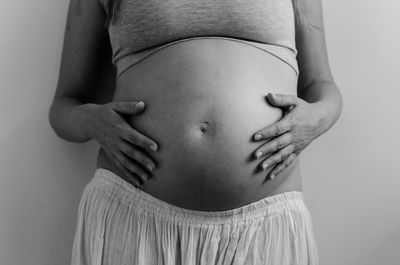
[
  {"x": 319, "y": 102},
  {"x": 75, "y": 118}
]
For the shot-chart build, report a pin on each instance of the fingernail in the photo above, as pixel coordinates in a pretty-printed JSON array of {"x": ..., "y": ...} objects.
[
  {"x": 145, "y": 177},
  {"x": 257, "y": 137},
  {"x": 258, "y": 154},
  {"x": 264, "y": 166},
  {"x": 150, "y": 167},
  {"x": 153, "y": 147}
]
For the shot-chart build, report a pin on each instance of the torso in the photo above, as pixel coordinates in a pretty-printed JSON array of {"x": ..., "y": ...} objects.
[{"x": 219, "y": 84}]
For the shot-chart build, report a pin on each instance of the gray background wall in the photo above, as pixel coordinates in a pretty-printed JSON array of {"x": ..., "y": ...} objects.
[{"x": 351, "y": 174}]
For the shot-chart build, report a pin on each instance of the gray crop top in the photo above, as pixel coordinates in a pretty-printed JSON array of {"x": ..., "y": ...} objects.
[{"x": 144, "y": 26}]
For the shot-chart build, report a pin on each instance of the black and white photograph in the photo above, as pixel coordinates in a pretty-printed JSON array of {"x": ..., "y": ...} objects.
[{"x": 199, "y": 132}]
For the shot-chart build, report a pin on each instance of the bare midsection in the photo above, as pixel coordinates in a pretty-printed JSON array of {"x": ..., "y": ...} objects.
[{"x": 204, "y": 102}]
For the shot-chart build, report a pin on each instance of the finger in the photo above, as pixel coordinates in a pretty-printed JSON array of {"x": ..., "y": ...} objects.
[
  {"x": 273, "y": 145},
  {"x": 133, "y": 167},
  {"x": 277, "y": 157},
  {"x": 281, "y": 166},
  {"x": 138, "y": 156},
  {"x": 134, "y": 137},
  {"x": 132, "y": 177},
  {"x": 128, "y": 107},
  {"x": 281, "y": 100},
  {"x": 275, "y": 129}
]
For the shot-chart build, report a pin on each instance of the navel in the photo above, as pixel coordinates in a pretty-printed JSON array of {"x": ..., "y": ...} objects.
[{"x": 204, "y": 126}]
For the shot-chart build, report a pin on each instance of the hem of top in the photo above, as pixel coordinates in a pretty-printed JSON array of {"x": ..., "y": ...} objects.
[
  {"x": 162, "y": 46},
  {"x": 253, "y": 211}
]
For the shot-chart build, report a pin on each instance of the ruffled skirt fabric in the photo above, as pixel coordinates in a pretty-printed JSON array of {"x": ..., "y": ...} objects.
[{"x": 119, "y": 224}]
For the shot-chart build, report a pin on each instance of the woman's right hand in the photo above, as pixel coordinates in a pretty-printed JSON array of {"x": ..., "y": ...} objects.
[{"x": 119, "y": 140}]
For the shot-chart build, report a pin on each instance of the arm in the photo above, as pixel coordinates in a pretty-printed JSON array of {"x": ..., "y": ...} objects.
[
  {"x": 73, "y": 117},
  {"x": 316, "y": 84},
  {"x": 84, "y": 40},
  {"x": 319, "y": 102}
]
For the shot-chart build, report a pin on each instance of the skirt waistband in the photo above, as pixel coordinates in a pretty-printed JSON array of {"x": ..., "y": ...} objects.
[{"x": 116, "y": 186}]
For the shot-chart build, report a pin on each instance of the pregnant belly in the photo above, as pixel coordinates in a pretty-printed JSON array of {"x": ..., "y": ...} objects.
[{"x": 205, "y": 99}]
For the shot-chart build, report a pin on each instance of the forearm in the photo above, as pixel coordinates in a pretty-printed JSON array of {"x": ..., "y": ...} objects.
[
  {"x": 326, "y": 97},
  {"x": 68, "y": 118}
]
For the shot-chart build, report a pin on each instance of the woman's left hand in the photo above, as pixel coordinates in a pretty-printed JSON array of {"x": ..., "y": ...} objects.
[{"x": 299, "y": 126}]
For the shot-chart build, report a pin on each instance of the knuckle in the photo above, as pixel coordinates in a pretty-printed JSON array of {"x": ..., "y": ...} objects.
[
  {"x": 277, "y": 129},
  {"x": 133, "y": 139},
  {"x": 285, "y": 155},
  {"x": 274, "y": 146},
  {"x": 277, "y": 170},
  {"x": 275, "y": 159},
  {"x": 131, "y": 136},
  {"x": 292, "y": 157},
  {"x": 280, "y": 168},
  {"x": 279, "y": 144},
  {"x": 281, "y": 128},
  {"x": 288, "y": 162},
  {"x": 280, "y": 157},
  {"x": 285, "y": 126},
  {"x": 266, "y": 149},
  {"x": 134, "y": 136},
  {"x": 291, "y": 149}
]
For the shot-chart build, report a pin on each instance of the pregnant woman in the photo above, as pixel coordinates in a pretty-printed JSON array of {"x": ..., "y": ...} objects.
[{"x": 183, "y": 177}]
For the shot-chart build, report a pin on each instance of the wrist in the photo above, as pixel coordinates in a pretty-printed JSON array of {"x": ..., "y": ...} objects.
[{"x": 326, "y": 99}]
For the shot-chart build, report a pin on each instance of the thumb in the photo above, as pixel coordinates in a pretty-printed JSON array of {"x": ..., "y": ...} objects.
[
  {"x": 131, "y": 107},
  {"x": 281, "y": 100}
]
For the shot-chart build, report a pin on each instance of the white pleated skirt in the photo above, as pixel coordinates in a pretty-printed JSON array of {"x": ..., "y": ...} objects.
[{"x": 119, "y": 224}]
